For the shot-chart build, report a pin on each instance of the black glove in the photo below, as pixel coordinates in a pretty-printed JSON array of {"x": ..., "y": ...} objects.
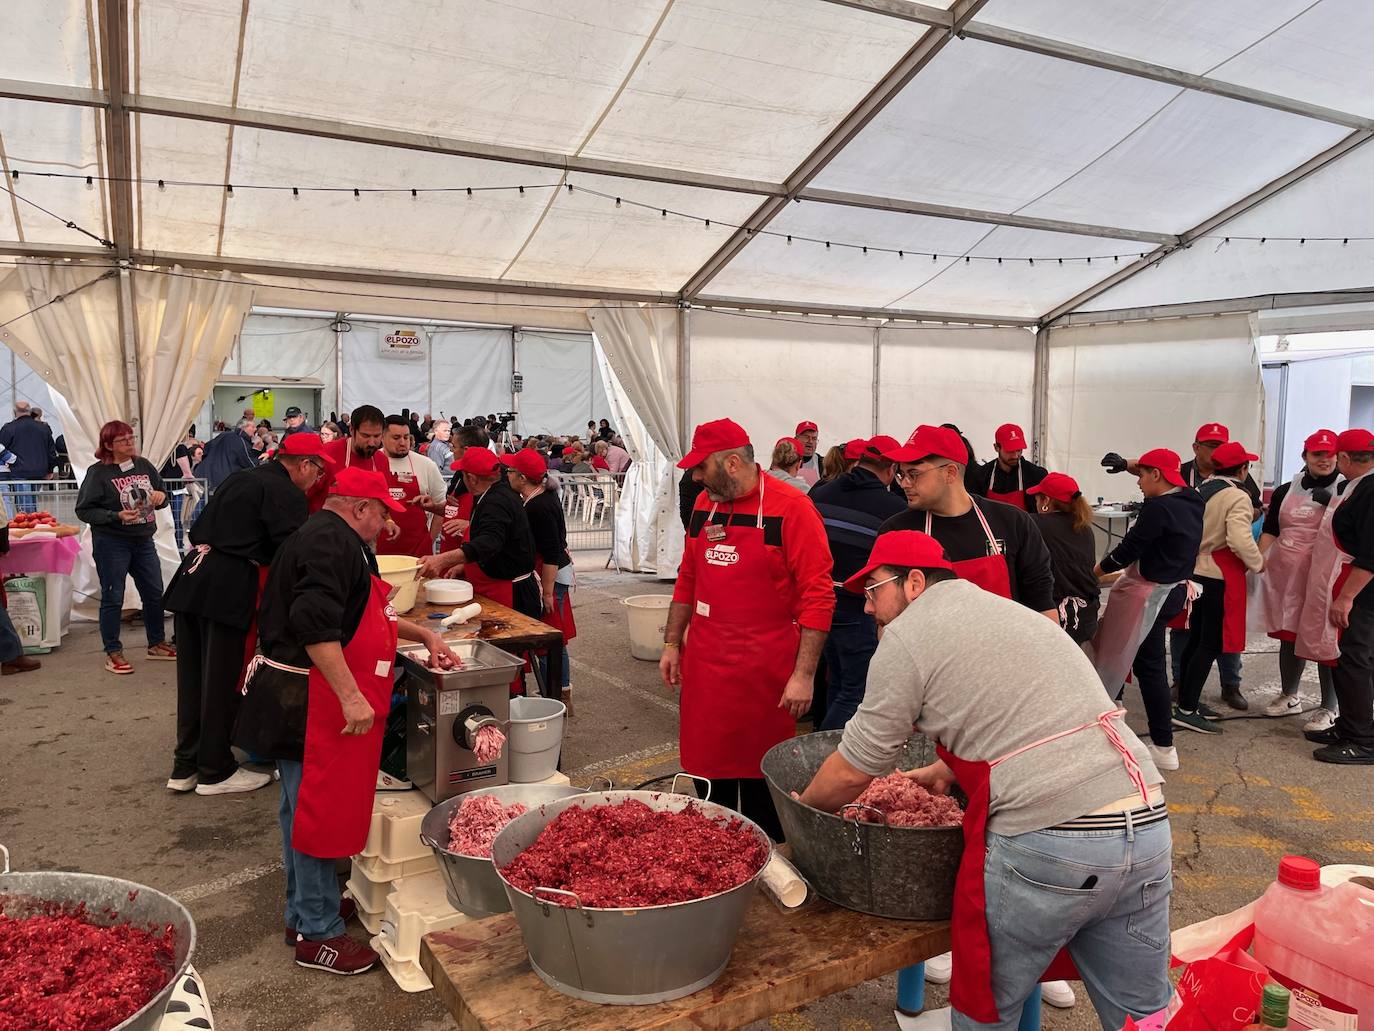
[
  {"x": 1113, "y": 462},
  {"x": 1321, "y": 496}
]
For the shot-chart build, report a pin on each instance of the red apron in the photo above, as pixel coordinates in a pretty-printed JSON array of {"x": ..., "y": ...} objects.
[
  {"x": 1283, "y": 584},
  {"x": 1233, "y": 600},
  {"x": 970, "y": 988},
  {"x": 739, "y": 651},
  {"x": 414, "y": 539},
  {"x": 989, "y": 572},
  {"x": 250, "y": 643},
  {"x": 343, "y": 457},
  {"x": 1015, "y": 497},
  {"x": 334, "y": 806},
  {"x": 455, "y": 508},
  {"x": 1133, "y": 605},
  {"x": 1317, "y": 637}
]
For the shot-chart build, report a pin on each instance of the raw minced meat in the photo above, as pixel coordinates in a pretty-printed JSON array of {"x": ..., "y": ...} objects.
[
  {"x": 906, "y": 804},
  {"x": 490, "y": 740},
  {"x": 476, "y": 822},
  {"x": 59, "y": 971},
  {"x": 628, "y": 855}
]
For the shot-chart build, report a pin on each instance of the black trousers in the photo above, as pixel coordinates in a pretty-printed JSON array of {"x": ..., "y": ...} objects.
[
  {"x": 1151, "y": 671},
  {"x": 209, "y": 663},
  {"x": 1353, "y": 679},
  {"x": 750, "y": 798},
  {"x": 1204, "y": 641}
]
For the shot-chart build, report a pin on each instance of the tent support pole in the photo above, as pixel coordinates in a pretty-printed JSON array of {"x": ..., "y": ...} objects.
[
  {"x": 338, "y": 361},
  {"x": 1040, "y": 404},
  {"x": 684, "y": 376},
  {"x": 128, "y": 344},
  {"x": 877, "y": 374}
]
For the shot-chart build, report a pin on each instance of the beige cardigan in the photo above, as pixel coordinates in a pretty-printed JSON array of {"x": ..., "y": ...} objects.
[{"x": 1226, "y": 523}]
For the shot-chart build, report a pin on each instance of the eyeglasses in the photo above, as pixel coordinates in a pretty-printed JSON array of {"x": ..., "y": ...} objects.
[
  {"x": 122, "y": 440},
  {"x": 912, "y": 475},
  {"x": 873, "y": 587}
]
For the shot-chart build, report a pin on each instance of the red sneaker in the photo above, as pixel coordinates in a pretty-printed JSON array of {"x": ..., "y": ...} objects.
[
  {"x": 340, "y": 955},
  {"x": 348, "y": 909}
]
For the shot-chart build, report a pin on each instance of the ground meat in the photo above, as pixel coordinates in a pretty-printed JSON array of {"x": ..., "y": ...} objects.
[
  {"x": 628, "y": 855},
  {"x": 490, "y": 740},
  {"x": 476, "y": 822},
  {"x": 61, "y": 972},
  {"x": 906, "y": 804}
]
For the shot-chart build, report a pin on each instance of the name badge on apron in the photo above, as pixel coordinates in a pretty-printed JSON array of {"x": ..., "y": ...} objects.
[{"x": 715, "y": 532}]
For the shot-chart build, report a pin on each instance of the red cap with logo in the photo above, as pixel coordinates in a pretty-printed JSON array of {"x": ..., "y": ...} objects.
[
  {"x": 796, "y": 444},
  {"x": 1010, "y": 437},
  {"x": 855, "y": 448},
  {"x": 528, "y": 462},
  {"x": 1321, "y": 441},
  {"x": 479, "y": 461},
  {"x": 1355, "y": 440},
  {"x": 1232, "y": 453},
  {"x": 805, "y": 426},
  {"x": 930, "y": 441},
  {"x": 900, "y": 548},
  {"x": 1167, "y": 462},
  {"x": 1060, "y": 486},
  {"x": 305, "y": 445},
  {"x": 1212, "y": 433},
  {"x": 352, "y": 482},
  {"x": 710, "y": 437}
]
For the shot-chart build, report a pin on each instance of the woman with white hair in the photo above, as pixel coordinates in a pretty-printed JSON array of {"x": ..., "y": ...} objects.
[{"x": 787, "y": 462}]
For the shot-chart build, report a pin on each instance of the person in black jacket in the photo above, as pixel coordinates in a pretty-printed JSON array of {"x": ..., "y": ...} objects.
[
  {"x": 688, "y": 490},
  {"x": 1065, "y": 520},
  {"x": 228, "y": 452},
  {"x": 214, "y": 595},
  {"x": 853, "y": 506},
  {"x": 35, "y": 453},
  {"x": 1009, "y": 476}
]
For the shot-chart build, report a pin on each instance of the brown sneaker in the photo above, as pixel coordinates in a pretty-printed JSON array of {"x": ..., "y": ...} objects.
[
  {"x": 23, "y": 664},
  {"x": 115, "y": 662},
  {"x": 162, "y": 652},
  {"x": 348, "y": 909},
  {"x": 338, "y": 955}
]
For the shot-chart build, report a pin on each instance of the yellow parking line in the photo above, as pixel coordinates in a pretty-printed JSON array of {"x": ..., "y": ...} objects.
[
  {"x": 1310, "y": 807},
  {"x": 1198, "y": 881},
  {"x": 1356, "y": 846}
]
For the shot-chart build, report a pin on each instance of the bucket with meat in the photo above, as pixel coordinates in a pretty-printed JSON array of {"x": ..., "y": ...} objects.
[
  {"x": 630, "y": 897},
  {"x": 894, "y": 852},
  {"x": 461, "y": 831}
]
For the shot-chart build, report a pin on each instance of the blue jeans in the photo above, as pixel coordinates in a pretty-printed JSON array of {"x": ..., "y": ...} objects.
[
  {"x": 1228, "y": 663},
  {"x": 24, "y": 498},
  {"x": 560, "y": 591},
  {"x": 118, "y": 557},
  {"x": 1104, "y": 894},
  {"x": 312, "y": 887},
  {"x": 11, "y": 647},
  {"x": 848, "y": 649}
]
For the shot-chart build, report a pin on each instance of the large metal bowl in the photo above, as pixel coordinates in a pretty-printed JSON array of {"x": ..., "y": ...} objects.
[
  {"x": 625, "y": 957},
  {"x": 22, "y": 894},
  {"x": 471, "y": 882},
  {"x": 903, "y": 873}
]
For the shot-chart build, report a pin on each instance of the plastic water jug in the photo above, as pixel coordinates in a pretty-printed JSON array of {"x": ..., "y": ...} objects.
[{"x": 1318, "y": 942}]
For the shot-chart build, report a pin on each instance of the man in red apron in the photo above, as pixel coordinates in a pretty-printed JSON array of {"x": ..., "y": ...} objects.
[
  {"x": 360, "y": 449},
  {"x": 1007, "y": 477},
  {"x": 316, "y": 701},
  {"x": 1066, "y": 859},
  {"x": 754, "y": 591},
  {"x": 417, "y": 484},
  {"x": 1217, "y": 622}
]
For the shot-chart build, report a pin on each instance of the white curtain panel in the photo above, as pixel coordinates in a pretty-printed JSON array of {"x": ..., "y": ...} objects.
[{"x": 1133, "y": 387}]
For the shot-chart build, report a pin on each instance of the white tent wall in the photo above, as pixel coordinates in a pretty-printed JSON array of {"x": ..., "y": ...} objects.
[
  {"x": 1135, "y": 386},
  {"x": 289, "y": 347},
  {"x": 563, "y": 387},
  {"x": 469, "y": 373},
  {"x": 1313, "y": 394}
]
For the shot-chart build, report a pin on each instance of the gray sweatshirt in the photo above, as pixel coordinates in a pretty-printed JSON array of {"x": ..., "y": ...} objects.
[{"x": 985, "y": 676}]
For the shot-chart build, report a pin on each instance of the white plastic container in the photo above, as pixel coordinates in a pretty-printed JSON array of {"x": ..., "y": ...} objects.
[
  {"x": 394, "y": 835},
  {"x": 1316, "y": 941},
  {"x": 535, "y": 738},
  {"x": 648, "y": 616},
  {"x": 381, "y": 870},
  {"x": 399, "y": 572},
  {"x": 448, "y": 592},
  {"x": 368, "y": 893},
  {"x": 415, "y": 907}
]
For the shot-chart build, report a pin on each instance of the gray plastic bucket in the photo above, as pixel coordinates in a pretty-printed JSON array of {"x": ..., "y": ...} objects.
[{"x": 536, "y": 738}]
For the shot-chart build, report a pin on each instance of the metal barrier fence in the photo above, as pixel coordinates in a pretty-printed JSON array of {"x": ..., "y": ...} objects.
[
  {"x": 589, "y": 501},
  {"x": 58, "y": 498}
]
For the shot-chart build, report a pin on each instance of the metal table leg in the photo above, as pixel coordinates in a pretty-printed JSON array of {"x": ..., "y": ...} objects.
[{"x": 911, "y": 989}]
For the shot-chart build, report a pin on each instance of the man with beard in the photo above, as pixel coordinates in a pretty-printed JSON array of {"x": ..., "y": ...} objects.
[
  {"x": 1008, "y": 476},
  {"x": 358, "y": 450},
  {"x": 417, "y": 484}
]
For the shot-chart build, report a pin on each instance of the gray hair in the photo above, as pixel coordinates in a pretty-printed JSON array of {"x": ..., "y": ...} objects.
[
  {"x": 21, "y": 408},
  {"x": 745, "y": 452},
  {"x": 247, "y": 424}
]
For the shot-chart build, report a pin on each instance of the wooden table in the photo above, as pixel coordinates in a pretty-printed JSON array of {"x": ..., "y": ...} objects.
[
  {"x": 513, "y": 631},
  {"x": 482, "y": 974}
]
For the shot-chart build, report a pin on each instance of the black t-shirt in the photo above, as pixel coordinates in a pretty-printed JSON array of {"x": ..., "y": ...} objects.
[
  {"x": 1073, "y": 555},
  {"x": 1028, "y": 560},
  {"x": 992, "y": 477},
  {"x": 1353, "y": 526},
  {"x": 548, "y": 529},
  {"x": 1309, "y": 482}
]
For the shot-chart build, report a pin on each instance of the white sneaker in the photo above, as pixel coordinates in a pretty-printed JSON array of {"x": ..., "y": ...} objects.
[
  {"x": 1284, "y": 705},
  {"x": 386, "y": 782},
  {"x": 243, "y": 779},
  {"x": 1165, "y": 759},
  {"x": 1322, "y": 719},
  {"x": 1057, "y": 994},
  {"x": 939, "y": 969},
  {"x": 928, "y": 1020},
  {"x": 181, "y": 785}
]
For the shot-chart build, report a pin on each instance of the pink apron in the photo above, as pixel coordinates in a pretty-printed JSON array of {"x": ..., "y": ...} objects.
[
  {"x": 1133, "y": 605},
  {"x": 1283, "y": 584},
  {"x": 1318, "y": 638}
]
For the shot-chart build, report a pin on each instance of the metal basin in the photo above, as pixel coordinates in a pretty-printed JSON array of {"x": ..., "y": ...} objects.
[
  {"x": 471, "y": 882},
  {"x": 904, "y": 873},
  {"x": 626, "y": 957},
  {"x": 22, "y": 893}
]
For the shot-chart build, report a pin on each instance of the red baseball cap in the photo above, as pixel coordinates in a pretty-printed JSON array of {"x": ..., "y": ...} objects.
[
  {"x": 528, "y": 462},
  {"x": 479, "y": 461},
  {"x": 796, "y": 444},
  {"x": 1060, "y": 486},
  {"x": 305, "y": 445},
  {"x": 805, "y": 426},
  {"x": 718, "y": 435},
  {"x": 926, "y": 441},
  {"x": 1355, "y": 440},
  {"x": 1322, "y": 440},
  {"x": 1010, "y": 437},
  {"x": 855, "y": 448},
  {"x": 1212, "y": 432},
  {"x": 900, "y": 548},
  {"x": 1167, "y": 462},
  {"x": 570, "y": 450},
  {"x": 353, "y": 482},
  {"x": 1232, "y": 453}
]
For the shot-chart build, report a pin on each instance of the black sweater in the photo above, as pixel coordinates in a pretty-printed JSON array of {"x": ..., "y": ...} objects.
[
  {"x": 1165, "y": 538},
  {"x": 109, "y": 489},
  {"x": 991, "y": 476},
  {"x": 549, "y": 529},
  {"x": 1073, "y": 555},
  {"x": 499, "y": 539},
  {"x": 1309, "y": 482},
  {"x": 853, "y": 507},
  {"x": 1353, "y": 526}
]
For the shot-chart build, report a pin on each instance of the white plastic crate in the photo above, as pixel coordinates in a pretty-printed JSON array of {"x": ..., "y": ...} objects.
[
  {"x": 371, "y": 921},
  {"x": 369, "y": 894},
  {"x": 380, "y": 870},
  {"x": 408, "y": 976},
  {"x": 415, "y": 907},
  {"x": 394, "y": 835}
]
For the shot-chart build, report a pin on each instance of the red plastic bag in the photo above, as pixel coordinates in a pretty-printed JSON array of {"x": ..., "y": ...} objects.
[{"x": 1219, "y": 993}]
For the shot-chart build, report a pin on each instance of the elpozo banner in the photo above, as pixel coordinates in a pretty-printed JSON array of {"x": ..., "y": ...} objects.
[{"x": 405, "y": 344}]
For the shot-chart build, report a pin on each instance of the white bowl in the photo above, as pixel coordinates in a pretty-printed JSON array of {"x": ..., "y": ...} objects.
[
  {"x": 448, "y": 592},
  {"x": 399, "y": 571}
]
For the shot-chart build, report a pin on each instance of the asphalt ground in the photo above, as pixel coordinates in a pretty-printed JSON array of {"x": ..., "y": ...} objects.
[{"x": 84, "y": 756}]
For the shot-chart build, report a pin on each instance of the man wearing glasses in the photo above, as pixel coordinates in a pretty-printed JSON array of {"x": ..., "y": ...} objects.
[
  {"x": 993, "y": 545},
  {"x": 215, "y": 595}
]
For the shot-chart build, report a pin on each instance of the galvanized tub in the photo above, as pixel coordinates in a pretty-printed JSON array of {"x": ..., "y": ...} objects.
[
  {"x": 624, "y": 957},
  {"x": 135, "y": 903},
  {"x": 904, "y": 873},
  {"x": 471, "y": 882}
]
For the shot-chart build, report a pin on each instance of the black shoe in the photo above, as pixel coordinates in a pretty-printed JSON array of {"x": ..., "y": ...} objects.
[
  {"x": 1230, "y": 694},
  {"x": 1346, "y": 753},
  {"x": 1323, "y": 737},
  {"x": 1208, "y": 713},
  {"x": 1194, "y": 721}
]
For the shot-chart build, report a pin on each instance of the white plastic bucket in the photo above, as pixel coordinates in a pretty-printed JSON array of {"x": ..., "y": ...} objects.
[
  {"x": 535, "y": 738},
  {"x": 648, "y": 615}
]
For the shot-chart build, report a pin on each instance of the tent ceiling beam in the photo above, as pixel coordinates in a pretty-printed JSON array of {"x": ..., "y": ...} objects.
[
  {"x": 1226, "y": 306},
  {"x": 999, "y": 218},
  {"x": 857, "y": 312},
  {"x": 49, "y": 93},
  {"x": 1270, "y": 189},
  {"x": 891, "y": 84},
  {"x": 114, "y": 72}
]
